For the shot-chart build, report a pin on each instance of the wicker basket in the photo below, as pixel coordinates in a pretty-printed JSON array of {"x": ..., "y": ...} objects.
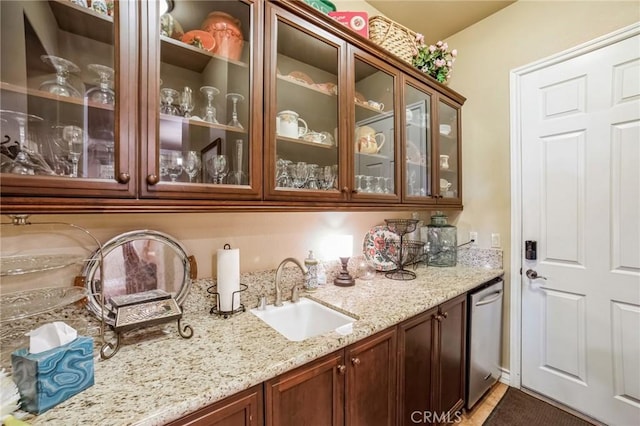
[{"x": 395, "y": 38}]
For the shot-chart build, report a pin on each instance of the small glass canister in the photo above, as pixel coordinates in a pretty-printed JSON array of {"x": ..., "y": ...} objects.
[{"x": 442, "y": 241}]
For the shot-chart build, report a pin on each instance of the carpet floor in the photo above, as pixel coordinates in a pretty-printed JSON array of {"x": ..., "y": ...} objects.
[{"x": 516, "y": 408}]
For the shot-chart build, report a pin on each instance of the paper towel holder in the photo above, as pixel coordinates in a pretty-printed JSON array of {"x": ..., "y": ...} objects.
[{"x": 226, "y": 314}]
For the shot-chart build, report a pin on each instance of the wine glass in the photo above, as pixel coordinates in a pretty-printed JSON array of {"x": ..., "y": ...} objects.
[
  {"x": 167, "y": 95},
  {"x": 218, "y": 168},
  {"x": 192, "y": 165},
  {"x": 328, "y": 177},
  {"x": 186, "y": 101},
  {"x": 174, "y": 168},
  {"x": 210, "y": 111},
  {"x": 301, "y": 174},
  {"x": 60, "y": 86},
  {"x": 359, "y": 183},
  {"x": 72, "y": 135},
  {"x": 238, "y": 176},
  {"x": 102, "y": 94},
  {"x": 22, "y": 162},
  {"x": 235, "y": 97}
]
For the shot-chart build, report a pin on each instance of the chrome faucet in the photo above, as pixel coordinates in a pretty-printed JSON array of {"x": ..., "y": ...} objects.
[{"x": 294, "y": 290}]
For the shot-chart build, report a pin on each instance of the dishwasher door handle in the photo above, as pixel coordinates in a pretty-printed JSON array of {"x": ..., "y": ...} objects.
[{"x": 487, "y": 300}]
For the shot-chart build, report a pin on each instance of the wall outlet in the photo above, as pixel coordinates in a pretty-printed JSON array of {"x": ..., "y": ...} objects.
[
  {"x": 495, "y": 240},
  {"x": 473, "y": 235}
]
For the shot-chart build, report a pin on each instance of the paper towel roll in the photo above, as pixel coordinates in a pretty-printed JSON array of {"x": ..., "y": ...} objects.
[{"x": 228, "y": 278}]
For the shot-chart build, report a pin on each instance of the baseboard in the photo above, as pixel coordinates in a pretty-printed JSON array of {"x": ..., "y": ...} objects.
[{"x": 505, "y": 377}]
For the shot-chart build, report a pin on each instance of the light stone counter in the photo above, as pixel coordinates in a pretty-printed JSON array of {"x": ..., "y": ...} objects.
[{"x": 160, "y": 377}]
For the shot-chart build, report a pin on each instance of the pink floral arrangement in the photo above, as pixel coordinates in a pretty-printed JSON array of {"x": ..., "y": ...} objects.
[{"x": 435, "y": 60}]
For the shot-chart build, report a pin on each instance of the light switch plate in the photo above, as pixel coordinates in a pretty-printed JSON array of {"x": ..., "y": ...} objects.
[{"x": 495, "y": 240}]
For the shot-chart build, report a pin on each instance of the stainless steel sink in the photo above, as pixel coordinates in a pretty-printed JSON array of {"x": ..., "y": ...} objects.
[{"x": 304, "y": 319}]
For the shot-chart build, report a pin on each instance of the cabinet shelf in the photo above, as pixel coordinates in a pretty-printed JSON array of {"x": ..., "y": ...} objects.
[
  {"x": 287, "y": 140},
  {"x": 182, "y": 55},
  {"x": 82, "y": 21},
  {"x": 50, "y": 96},
  {"x": 370, "y": 108},
  {"x": 305, "y": 85},
  {"x": 177, "y": 119}
]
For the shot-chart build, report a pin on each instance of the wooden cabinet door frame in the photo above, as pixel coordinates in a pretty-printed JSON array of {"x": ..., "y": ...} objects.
[{"x": 436, "y": 153}]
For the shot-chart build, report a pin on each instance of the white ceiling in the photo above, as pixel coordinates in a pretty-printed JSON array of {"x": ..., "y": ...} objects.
[{"x": 437, "y": 20}]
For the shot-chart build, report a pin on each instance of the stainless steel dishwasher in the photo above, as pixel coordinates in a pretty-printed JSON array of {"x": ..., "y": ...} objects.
[{"x": 484, "y": 339}]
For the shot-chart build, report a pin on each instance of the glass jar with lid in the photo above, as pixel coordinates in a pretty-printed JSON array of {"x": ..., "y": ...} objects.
[{"x": 442, "y": 242}]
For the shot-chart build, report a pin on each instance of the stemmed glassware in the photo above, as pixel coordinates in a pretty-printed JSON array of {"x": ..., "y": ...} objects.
[
  {"x": 328, "y": 177},
  {"x": 186, "y": 102},
  {"x": 167, "y": 97},
  {"x": 22, "y": 164},
  {"x": 239, "y": 177},
  {"x": 235, "y": 97},
  {"x": 210, "y": 111},
  {"x": 72, "y": 135},
  {"x": 60, "y": 86},
  {"x": 218, "y": 168},
  {"x": 102, "y": 94},
  {"x": 359, "y": 183},
  {"x": 174, "y": 168},
  {"x": 192, "y": 166}
]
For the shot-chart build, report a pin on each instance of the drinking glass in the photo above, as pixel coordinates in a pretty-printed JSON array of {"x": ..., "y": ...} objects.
[
  {"x": 101, "y": 94},
  {"x": 283, "y": 178},
  {"x": 387, "y": 186},
  {"x": 186, "y": 101},
  {"x": 167, "y": 96},
  {"x": 72, "y": 135},
  {"x": 379, "y": 185},
  {"x": 218, "y": 168},
  {"x": 359, "y": 183},
  {"x": 210, "y": 111},
  {"x": 175, "y": 167},
  {"x": 238, "y": 176},
  {"x": 192, "y": 165},
  {"x": 235, "y": 97},
  {"x": 328, "y": 177},
  {"x": 301, "y": 174},
  {"x": 368, "y": 184},
  {"x": 60, "y": 86},
  {"x": 22, "y": 164},
  {"x": 312, "y": 176}
]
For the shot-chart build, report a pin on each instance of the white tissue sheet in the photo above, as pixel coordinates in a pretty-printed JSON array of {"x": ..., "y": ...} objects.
[{"x": 50, "y": 336}]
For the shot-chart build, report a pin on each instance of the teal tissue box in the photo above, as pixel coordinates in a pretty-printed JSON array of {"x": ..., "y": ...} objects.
[{"x": 50, "y": 377}]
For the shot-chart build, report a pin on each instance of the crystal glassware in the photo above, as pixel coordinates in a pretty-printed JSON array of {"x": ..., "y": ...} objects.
[
  {"x": 60, "y": 86},
  {"x": 235, "y": 97},
  {"x": 192, "y": 165},
  {"x": 167, "y": 96},
  {"x": 301, "y": 173},
  {"x": 22, "y": 164},
  {"x": 379, "y": 188},
  {"x": 359, "y": 183},
  {"x": 328, "y": 177},
  {"x": 368, "y": 184},
  {"x": 102, "y": 94},
  {"x": 175, "y": 167},
  {"x": 218, "y": 168},
  {"x": 72, "y": 135},
  {"x": 283, "y": 178},
  {"x": 210, "y": 111},
  {"x": 238, "y": 176},
  {"x": 186, "y": 101}
]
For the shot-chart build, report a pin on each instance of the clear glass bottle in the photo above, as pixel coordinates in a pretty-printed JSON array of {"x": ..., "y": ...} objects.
[{"x": 442, "y": 240}]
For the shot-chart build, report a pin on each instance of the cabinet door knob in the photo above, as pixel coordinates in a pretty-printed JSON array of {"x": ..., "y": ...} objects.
[
  {"x": 445, "y": 314},
  {"x": 152, "y": 179},
  {"x": 345, "y": 189},
  {"x": 354, "y": 191},
  {"x": 124, "y": 177},
  {"x": 355, "y": 361},
  {"x": 341, "y": 368}
]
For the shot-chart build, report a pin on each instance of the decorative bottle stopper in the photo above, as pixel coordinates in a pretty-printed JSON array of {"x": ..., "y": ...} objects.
[{"x": 311, "y": 281}]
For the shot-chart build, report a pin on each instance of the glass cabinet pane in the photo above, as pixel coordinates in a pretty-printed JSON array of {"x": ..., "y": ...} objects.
[
  {"x": 205, "y": 92},
  {"x": 418, "y": 173},
  {"x": 374, "y": 150},
  {"x": 448, "y": 151},
  {"x": 57, "y": 97},
  {"x": 306, "y": 115}
]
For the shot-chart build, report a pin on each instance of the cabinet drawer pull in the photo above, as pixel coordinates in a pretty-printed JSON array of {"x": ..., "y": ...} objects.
[
  {"x": 355, "y": 361},
  {"x": 341, "y": 368},
  {"x": 124, "y": 177},
  {"x": 152, "y": 179}
]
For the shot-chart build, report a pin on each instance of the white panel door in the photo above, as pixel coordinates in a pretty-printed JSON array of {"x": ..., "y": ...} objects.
[{"x": 580, "y": 128}]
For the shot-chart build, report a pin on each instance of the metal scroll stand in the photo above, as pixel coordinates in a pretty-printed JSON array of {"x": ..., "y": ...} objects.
[
  {"x": 408, "y": 251},
  {"x": 234, "y": 310}
]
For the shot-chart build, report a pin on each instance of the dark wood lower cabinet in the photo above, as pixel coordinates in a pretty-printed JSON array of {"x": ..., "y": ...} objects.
[
  {"x": 314, "y": 394},
  {"x": 431, "y": 358},
  {"x": 242, "y": 409}
]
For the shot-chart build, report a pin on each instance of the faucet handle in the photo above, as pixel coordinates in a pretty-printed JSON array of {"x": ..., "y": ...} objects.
[
  {"x": 262, "y": 303},
  {"x": 295, "y": 294}
]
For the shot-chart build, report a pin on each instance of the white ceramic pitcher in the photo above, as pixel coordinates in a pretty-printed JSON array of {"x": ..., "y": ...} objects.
[{"x": 287, "y": 124}]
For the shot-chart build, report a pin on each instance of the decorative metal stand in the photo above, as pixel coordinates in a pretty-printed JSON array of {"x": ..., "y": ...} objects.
[
  {"x": 143, "y": 314},
  {"x": 408, "y": 252},
  {"x": 226, "y": 314}
]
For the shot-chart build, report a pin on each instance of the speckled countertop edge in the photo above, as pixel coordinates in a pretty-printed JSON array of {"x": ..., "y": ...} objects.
[{"x": 158, "y": 376}]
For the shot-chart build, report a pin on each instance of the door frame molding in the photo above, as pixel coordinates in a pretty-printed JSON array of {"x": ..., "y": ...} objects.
[{"x": 515, "y": 82}]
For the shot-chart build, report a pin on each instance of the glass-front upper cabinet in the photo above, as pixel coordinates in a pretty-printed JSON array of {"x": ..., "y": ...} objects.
[
  {"x": 203, "y": 110},
  {"x": 305, "y": 144},
  {"x": 418, "y": 149},
  {"x": 62, "y": 86},
  {"x": 375, "y": 174},
  {"x": 450, "y": 182}
]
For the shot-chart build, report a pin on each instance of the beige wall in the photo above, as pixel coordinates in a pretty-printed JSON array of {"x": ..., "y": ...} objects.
[{"x": 515, "y": 36}]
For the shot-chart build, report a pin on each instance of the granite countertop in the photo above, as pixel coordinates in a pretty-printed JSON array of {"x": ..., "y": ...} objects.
[{"x": 158, "y": 376}]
